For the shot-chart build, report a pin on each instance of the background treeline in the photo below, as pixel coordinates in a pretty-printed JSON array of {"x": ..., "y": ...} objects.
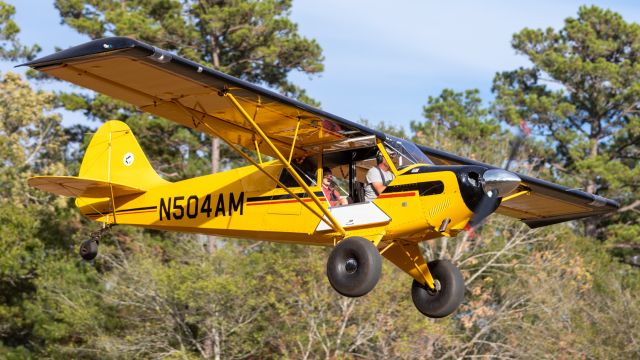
[{"x": 566, "y": 291}]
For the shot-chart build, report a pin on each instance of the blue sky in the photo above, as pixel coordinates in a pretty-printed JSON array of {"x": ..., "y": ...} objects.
[{"x": 382, "y": 59}]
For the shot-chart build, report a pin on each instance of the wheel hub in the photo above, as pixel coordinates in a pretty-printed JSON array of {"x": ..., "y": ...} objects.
[
  {"x": 437, "y": 285},
  {"x": 351, "y": 265},
  {"x": 436, "y": 288}
]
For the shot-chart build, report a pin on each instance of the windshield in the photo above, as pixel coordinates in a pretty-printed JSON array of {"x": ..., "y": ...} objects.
[{"x": 406, "y": 152}]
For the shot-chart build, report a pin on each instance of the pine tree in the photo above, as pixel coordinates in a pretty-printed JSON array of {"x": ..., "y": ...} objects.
[
  {"x": 582, "y": 94},
  {"x": 251, "y": 40}
]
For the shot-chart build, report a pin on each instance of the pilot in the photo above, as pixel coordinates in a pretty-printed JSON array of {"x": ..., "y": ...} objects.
[
  {"x": 378, "y": 177},
  {"x": 329, "y": 189}
]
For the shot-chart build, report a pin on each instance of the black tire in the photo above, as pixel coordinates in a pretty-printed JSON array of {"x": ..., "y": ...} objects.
[
  {"x": 354, "y": 267},
  {"x": 89, "y": 249},
  {"x": 449, "y": 293}
]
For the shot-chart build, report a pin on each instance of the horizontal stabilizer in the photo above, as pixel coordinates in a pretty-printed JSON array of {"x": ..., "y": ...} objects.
[{"x": 81, "y": 187}]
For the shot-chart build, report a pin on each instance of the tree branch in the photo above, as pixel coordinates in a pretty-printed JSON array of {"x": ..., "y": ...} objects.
[{"x": 625, "y": 246}]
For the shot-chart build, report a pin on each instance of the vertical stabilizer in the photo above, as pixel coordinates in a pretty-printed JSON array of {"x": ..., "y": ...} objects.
[{"x": 114, "y": 156}]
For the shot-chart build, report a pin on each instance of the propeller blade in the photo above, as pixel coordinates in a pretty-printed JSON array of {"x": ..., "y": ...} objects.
[
  {"x": 485, "y": 208},
  {"x": 515, "y": 148},
  {"x": 525, "y": 131},
  {"x": 497, "y": 183}
]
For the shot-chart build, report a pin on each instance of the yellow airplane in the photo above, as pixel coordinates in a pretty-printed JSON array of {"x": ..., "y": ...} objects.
[{"x": 425, "y": 194}]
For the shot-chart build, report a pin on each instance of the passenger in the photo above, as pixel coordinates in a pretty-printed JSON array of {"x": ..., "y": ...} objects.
[
  {"x": 378, "y": 177},
  {"x": 329, "y": 189}
]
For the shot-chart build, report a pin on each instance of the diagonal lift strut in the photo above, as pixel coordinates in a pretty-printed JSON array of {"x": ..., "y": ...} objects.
[{"x": 334, "y": 223}]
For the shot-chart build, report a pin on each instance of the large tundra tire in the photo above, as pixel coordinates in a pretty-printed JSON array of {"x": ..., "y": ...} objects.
[{"x": 354, "y": 266}]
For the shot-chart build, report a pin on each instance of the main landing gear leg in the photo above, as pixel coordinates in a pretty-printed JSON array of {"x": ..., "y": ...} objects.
[
  {"x": 89, "y": 248},
  {"x": 438, "y": 287}
]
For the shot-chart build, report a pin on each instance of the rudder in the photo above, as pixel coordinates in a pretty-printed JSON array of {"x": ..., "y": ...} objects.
[{"x": 114, "y": 156}]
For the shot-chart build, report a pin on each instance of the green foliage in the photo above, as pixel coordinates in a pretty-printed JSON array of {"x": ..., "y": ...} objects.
[
  {"x": 37, "y": 228},
  {"x": 575, "y": 302},
  {"x": 10, "y": 46},
  {"x": 582, "y": 95},
  {"x": 460, "y": 123},
  {"x": 386, "y": 128},
  {"x": 258, "y": 301},
  {"x": 251, "y": 40},
  {"x": 461, "y": 115}
]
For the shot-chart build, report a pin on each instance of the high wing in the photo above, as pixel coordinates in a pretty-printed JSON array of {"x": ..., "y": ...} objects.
[
  {"x": 175, "y": 88},
  {"x": 546, "y": 204}
]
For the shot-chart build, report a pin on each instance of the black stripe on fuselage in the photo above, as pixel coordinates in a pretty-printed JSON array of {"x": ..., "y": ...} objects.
[
  {"x": 280, "y": 197},
  {"x": 423, "y": 188},
  {"x": 124, "y": 210}
]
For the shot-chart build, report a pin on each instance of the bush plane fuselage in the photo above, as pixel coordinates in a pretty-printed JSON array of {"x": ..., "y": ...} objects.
[{"x": 244, "y": 202}]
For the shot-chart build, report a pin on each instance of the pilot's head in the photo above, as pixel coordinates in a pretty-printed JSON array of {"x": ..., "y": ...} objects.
[
  {"x": 327, "y": 176},
  {"x": 381, "y": 161}
]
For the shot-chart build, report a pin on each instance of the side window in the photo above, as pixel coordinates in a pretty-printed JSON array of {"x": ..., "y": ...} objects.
[
  {"x": 349, "y": 169},
  {"x": 362, "y": 167},
  {"x": 340, "y": 173},
  {"x": 307, "y": 169}
]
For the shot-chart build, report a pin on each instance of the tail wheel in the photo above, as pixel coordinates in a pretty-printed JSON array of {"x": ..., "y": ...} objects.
[
  {"x": 447, "y": 295},
  {"x": 354, "y": 266},
  {"x": 89, "y": 249}
]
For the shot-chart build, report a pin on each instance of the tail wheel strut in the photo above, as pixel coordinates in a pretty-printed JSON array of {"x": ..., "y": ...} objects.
[{"x": 89, "y": 248}]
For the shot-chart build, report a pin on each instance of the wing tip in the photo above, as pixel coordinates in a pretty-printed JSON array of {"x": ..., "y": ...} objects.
[{"x": 93, "y": 47}]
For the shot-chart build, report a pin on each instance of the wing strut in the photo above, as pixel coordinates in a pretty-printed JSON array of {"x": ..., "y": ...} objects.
[
  {"x": 334, "y": 223},
  {"x": 235, "y": 147}
]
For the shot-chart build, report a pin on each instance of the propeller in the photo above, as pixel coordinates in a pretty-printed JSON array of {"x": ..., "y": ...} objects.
[
  {"x": 496, "y": 183},
  {"x": 486, "y": 207}
]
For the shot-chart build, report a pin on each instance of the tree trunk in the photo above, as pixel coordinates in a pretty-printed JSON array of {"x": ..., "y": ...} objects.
[
  {"x": 215, "y": 155},
  {"x": 215, "y": 141},
  {"x": 211, "y": 345},
  {"x": 591, "y": 224}
]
